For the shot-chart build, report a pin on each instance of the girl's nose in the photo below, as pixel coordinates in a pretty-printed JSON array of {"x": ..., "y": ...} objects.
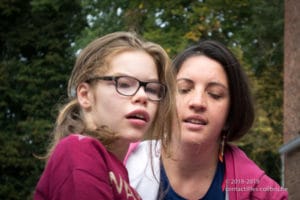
[{"x": 140, "y": 96}]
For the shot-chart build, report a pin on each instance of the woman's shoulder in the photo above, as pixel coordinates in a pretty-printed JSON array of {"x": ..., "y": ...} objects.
[
  {"x": 143, "y": 159},
  {"x": 242, "y": 172},
  {"x": 143, "y": 150},
  {"x": 143, "y": 165},
  {"x": 240, "y": 162}
]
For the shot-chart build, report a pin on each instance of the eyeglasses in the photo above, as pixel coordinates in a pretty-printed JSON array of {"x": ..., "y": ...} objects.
[{"x": 128, "y": 86}]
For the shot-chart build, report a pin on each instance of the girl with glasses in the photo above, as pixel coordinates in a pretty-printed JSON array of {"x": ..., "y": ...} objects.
[{"x": 120, "y": 90}]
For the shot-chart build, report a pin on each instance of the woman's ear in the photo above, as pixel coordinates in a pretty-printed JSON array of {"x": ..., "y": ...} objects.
[
  {"x": 226, "y": 127},
  {"x": 85, "y": 95}
]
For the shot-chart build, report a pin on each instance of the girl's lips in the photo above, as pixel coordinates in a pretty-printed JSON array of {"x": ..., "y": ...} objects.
[
  {"x": 138, "y": 115},
  {"x": 138, "y": 118}
]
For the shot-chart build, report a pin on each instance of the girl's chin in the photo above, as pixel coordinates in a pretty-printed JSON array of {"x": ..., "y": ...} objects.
[{"x": 132, "y": 138}]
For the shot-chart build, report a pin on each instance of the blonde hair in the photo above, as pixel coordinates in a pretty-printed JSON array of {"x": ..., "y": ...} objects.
[{"x": 94, "y": 59}]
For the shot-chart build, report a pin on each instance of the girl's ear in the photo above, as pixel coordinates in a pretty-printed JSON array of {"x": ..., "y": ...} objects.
[{"x": 85, "y": 95}]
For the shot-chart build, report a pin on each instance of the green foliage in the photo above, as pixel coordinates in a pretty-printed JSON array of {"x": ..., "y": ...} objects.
[
  {"x": 103, "y": 16},
  {"x": 262, "y": 41},
  {"x": 254, "y": 31},
  {"x": 39, "y": 38},
  {"x": 36, "y": 60}
]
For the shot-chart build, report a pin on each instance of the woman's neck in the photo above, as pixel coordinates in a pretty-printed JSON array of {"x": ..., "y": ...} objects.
[
  {"x": 192, "y": 157},
  {"x": 191, "y": 168}
]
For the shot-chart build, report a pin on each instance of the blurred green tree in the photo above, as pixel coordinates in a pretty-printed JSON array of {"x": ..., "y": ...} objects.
[
  {"x": 254, "y": 32},
  {"x": 40, "y": 38},
  {"x": 34, "y": 66}
]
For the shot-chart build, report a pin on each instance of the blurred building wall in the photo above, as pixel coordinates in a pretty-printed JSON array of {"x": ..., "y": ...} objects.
[{"x": 290, "y": 151}]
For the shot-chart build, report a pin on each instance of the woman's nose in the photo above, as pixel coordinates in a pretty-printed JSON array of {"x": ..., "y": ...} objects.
[{"x": 198, "y": 101}]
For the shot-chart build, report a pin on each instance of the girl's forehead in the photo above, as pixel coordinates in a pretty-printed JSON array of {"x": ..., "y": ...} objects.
[{"x": 134, "y": 63}]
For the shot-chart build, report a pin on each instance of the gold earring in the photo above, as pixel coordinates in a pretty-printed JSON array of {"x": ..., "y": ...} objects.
[{"x": 221, "y": 152}]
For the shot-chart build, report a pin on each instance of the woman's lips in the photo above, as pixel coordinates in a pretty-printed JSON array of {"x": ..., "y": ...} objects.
[{"x": 194, "y": 123}]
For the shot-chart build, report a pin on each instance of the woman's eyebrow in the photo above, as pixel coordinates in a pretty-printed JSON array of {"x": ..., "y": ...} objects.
[{"x": 214, "y": 83}]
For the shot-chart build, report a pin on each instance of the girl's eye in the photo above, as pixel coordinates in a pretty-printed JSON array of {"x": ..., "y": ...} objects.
[{"x": 124, "y": 85}]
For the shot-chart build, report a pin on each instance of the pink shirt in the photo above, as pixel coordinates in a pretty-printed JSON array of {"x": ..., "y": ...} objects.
[
  {"x": 81, "y": 168},
  {"x": 245, "y": 180}
]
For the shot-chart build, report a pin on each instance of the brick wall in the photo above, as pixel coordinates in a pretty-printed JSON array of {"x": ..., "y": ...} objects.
[
  {"x": 292, "y": 174},
  {"x": 291, "y": 105}
]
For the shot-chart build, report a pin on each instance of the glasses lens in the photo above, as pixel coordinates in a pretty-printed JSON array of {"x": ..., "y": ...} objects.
[
  {"x": 155, "y": 91},
  {"x": 127, "y": 86}
]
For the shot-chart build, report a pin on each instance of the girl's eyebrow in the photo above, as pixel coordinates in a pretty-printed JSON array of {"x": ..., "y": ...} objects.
[
  {"x": 130, "y": 75},
  {"x": 184, "y": 79}
]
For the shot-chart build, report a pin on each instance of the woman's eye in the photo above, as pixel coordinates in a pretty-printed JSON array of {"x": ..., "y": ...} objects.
[
  {"x": 183, "y": 90},
  {"x": 215, "y": 96},
  {"x": 184, "y": 86}
]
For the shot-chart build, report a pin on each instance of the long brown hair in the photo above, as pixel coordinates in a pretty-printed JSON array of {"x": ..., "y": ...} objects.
[{"x": 94, "y": 59}]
